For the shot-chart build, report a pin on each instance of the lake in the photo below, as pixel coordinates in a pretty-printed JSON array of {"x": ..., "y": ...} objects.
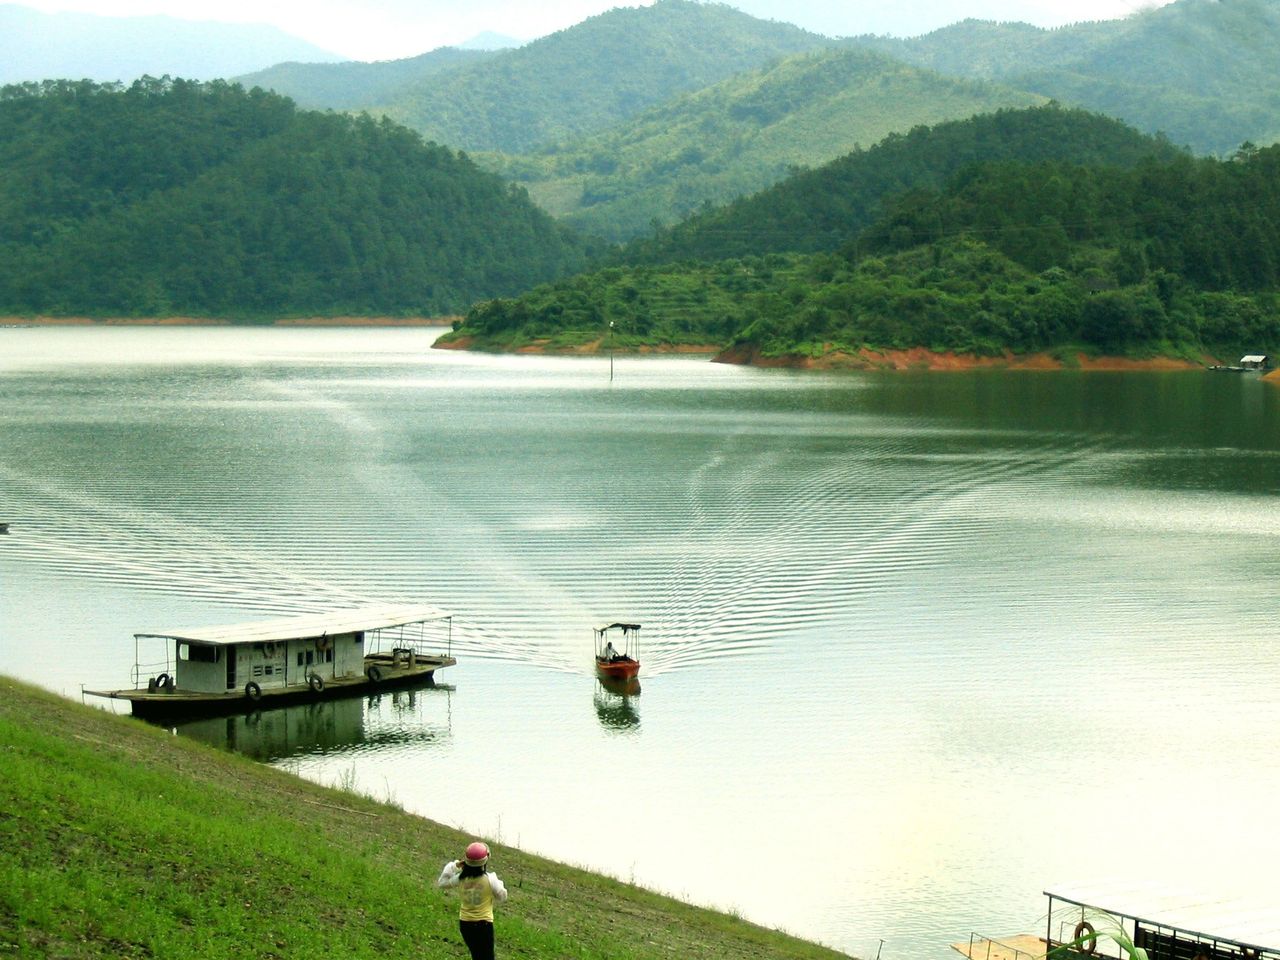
[{"x": 916, "y": 647}]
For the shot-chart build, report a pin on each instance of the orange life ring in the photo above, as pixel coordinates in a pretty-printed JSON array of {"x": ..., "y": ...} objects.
[{"x": 1085, "y": 939}]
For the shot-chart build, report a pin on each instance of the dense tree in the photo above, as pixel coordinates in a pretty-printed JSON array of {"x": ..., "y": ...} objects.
[
  {"x": 176, "y": 196},
  {"x": 823, "y": 208},
  {"x": 1172, "y": 255}
]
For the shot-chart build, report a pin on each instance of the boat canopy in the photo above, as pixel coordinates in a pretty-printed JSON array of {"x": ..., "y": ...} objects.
[
  {"x": 620, "y": 626},
  {"x": 356, "y": 620}
]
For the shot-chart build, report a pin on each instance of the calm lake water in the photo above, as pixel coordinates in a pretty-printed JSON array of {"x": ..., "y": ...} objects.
[{"x": 916, "y": 647}]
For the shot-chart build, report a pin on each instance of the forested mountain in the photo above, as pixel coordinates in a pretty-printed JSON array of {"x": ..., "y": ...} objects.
[
  {"x": 76, "y": 46},
  {"x": 740, "y": 135},
  {"x": 591, "y": 76},
  {"x": 173, "y": 196},
  {"x": 354, "y": 85},
  {"x": 823, "y": 208},
  {"x": 1170, "y": 256},
  {"x": 1204, "y": 72}
]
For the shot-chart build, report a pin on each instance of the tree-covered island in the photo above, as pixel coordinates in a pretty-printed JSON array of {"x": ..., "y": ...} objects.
[{"x": 1141, "y": 253}]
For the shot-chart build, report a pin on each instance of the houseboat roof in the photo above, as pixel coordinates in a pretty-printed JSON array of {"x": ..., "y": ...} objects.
[
  {"x": 1247, "y": 923},
  {"x": 1254, "y": 358},
  {"x": 360, "y": 619}
]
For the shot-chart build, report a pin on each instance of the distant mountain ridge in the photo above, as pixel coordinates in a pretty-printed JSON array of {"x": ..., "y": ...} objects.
[
  {"x": 591, "y": 76},
  {"x": 353, "y": 85},
  {"x": 741, "y": 135},
  {"x": 1203, "y": 72},
  {"x": 80, "y": 46}
]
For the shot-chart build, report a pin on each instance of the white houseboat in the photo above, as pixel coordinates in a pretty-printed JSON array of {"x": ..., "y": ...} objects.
[{"x": 249, "y": 666}]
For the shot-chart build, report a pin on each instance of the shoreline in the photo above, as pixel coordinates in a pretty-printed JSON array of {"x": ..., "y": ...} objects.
[
  {"x": 591, "y": 348},
  {"x": 913, "y": 359},
  {"x": 178, "y": 321},
  {"x": 924, "y": 359},
  {"x": 208, "y": 883}
]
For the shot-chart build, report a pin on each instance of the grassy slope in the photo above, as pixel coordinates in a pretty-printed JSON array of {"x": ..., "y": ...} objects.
[
  {"x": 116, "y": 839},
  {"x": 742, "y": 135}
]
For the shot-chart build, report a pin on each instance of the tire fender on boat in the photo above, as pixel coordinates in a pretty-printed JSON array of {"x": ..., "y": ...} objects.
[
  {"x": 374, "y": 674},
  {"x": 1085, "y": 937},
  {"x": 315, "y": 682},
  {"x": 253, "y": 691},
  {"x": 164, "y": 682}
]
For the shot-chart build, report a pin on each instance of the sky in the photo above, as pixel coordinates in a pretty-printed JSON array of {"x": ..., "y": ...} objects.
[{"x": 388, "y": 29}]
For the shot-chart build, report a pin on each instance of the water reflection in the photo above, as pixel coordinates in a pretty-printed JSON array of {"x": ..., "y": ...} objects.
[
  {"x": 614, "y": 707},
  {"x": 330, "y": 726}
]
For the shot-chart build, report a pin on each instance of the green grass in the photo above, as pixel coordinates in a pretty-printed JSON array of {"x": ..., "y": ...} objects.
[{"x": 119, "y": 840}]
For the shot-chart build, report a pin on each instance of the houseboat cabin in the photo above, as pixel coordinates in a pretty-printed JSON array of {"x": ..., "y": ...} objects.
[{"x": 273, "y": 662}]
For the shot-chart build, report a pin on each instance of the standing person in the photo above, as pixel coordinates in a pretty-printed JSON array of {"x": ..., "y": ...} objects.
[{"x": 478, "y": 891}]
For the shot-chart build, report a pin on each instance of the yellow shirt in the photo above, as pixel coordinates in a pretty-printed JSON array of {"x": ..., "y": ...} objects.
[{"x": 476, "y": 895}]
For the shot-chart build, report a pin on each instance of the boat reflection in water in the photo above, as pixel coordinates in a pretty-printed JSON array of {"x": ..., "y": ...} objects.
[
  {"x": 418, "y": 715},
  {"x": 613, "y": 702}
]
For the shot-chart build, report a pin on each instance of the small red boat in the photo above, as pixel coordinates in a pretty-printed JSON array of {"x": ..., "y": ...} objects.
[{"x": 620, "y": 661}]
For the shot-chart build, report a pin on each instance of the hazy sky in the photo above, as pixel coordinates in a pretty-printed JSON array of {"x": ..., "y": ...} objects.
[{"x": 386, "y": 29}]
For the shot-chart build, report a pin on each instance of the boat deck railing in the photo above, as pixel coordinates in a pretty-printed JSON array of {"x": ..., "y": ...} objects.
[
  {"x": 1010, "y": 948},
  {"x": 426, "y": 638}
]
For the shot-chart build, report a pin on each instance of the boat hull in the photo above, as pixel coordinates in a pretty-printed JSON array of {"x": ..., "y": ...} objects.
[
  {"x": 625, "y": 669},
  {"x": 176, "y": 704}
]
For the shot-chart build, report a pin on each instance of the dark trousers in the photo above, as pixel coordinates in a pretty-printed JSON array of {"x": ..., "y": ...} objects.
[{"x": 478, "y": 936}]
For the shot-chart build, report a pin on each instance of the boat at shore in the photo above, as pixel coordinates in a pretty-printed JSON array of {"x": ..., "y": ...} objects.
[
  {"x": 1143, "y": 923},
  {"x": 207, "y": 671},
  {"x": 619, "y": 662}
]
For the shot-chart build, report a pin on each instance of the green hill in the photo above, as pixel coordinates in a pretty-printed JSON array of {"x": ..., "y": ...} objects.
[
  {"x": 120, "y": 840},
  {"x": 1167, "y": 256},
  {"x": 823, "y": 208},
  {"x": 591, "y": 76},
  {"x": 1203, "y": 72},
  {"x": 740, "y": 135},
  {"x": 354, "y": 85},
  {"x": 171, "y": 196}
]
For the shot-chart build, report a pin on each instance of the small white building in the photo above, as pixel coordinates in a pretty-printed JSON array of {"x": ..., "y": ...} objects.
[{"x": 1255, "y": 361}]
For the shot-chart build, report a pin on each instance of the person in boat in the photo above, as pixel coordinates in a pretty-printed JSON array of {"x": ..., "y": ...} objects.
[
  {"x": 611, "y": 654},
  {"x": 479, "y": 889}
]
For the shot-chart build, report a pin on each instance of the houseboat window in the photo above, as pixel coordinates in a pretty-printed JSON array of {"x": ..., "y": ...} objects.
[
  {"x": 267, "y": 670},
  {"x": 328, "y": 655},
  {"x": 299, "y": 658},
  {"x": 198, "y": 653},
  {"x": 257, "y": 669},
  {"x": 310, "y": 658}
]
